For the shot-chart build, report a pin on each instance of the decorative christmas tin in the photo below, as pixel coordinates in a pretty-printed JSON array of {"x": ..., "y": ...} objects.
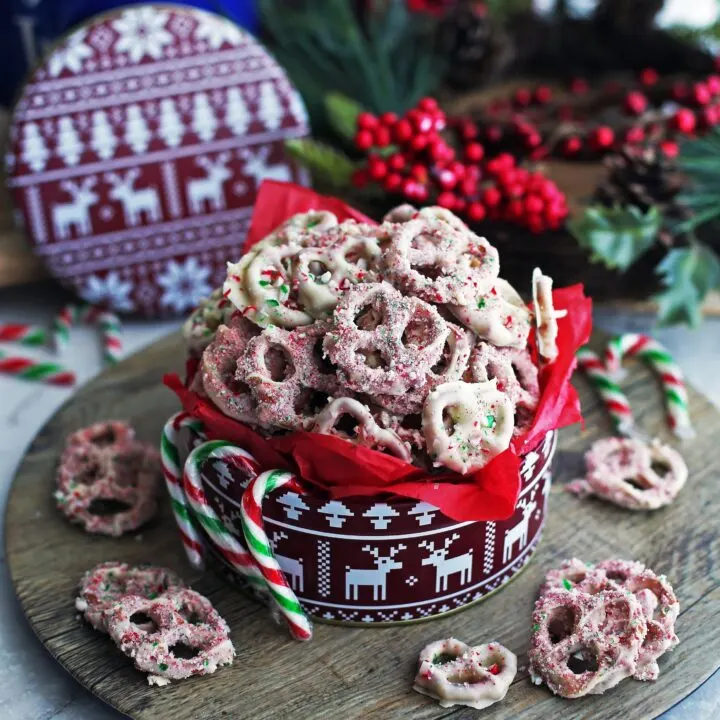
[{"x": 137, "y": 149}]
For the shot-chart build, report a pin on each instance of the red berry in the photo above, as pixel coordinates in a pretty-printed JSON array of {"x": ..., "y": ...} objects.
[
  {"x": 708, "y": 117},
  {"x": 473, "y": 172},
  {"x": 439, "y": 121},
  {"x": 393, "y": 182},
  {"x": 457, "y": 168},
  {"x": 491, "y": 196},
  {"x": 571, "y": 146},
  {"x": 388, "y": 119},
  {"x": 579, "y": 86},
  {"x": 409, "y": 188},
  {"x": 533, "y": 140},
  {"x": 516, "y": 190},
  {"x": 635, "y": 103},
  {"x": 421, "y": 193},
  {"x": 634, "y": 135},
  {"x": 713, "y": 84},
  {"x": 419, "y": 172},
  {"x": 437, "y": 150},
  {"x": 474, "y": 152},
  {"x": 468, "y": 187},
  {"x": 601, "y": 138},
  {"x": 366, "y": 121},
  {"x": 364, "y": 140},
  {"x": 419, "y": 143},
  {"x": 678, "y": 91},
  {"x": 670, "y": 148},
  {"x": 422, "y": 121},
  {"x": 403, "y": 131},
  {"x": 476, "y": 212},
  {"x": 377, "y": 168},
  {"x": 360, "y": 178},
  {"x": 382, "y": 136},
  {"x": 447, "y": 179},
  {"x": 549, "y": 191},
  {"x": 700, "y": 94},
  {"x": 683, "y": 121},
  {"x": 534, "y": 204},
  {"x": 522, "y": 97},
  {"x": 494, "y": 134},
  {"x": 649, "y": 76},
  {"x": 446, "y": 200},
  {"x": 460, "y": 204},
  {"x": 516, "y": 210},
  {"x": 428, "y": 104},
  {"x": 543, "y": 94},
  {"x": 396, "y": 161},
  {"x": 468, "y": 130}
]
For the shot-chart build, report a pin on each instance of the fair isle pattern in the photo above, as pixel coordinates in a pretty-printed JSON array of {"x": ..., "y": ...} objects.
[{"x": 139, "y": 145}]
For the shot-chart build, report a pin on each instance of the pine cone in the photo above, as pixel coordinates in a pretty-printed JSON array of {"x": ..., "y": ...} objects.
[
  {"x": 475, "y": 47},
  {"x": 642, "y": 177}
]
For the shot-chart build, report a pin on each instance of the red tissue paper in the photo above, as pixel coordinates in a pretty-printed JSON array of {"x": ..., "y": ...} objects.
[{"x": 341, "y": 469}]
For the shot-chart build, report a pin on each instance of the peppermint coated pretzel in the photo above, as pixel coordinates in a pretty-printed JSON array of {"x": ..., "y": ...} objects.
[
  {"x": 288, "y": 377},
  {"x": 367, "y": 432},
  {"x": 467, "y": 424},
  {"x": 200, "y": 328},
  {"x": 109, "y": 491},
  {"x": 545, "y": 315},
  {"x": 456, "y": 674},
  {"x": 383, "y": 342},
  {"x": 108, "y": 435},
  {"x": 585, "y": 644},
  {"x": 107, "y": 582},
  {"x": 497, "y": 314},
  {"x": 439, "y": 262},
  {"x": 179, "y": 617},
  {"x": 632, "y": 474},
  {"x": 219, "y": 376}
]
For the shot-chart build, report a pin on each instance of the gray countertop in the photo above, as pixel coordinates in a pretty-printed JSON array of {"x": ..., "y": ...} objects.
[{"x": 32, "y": 685}]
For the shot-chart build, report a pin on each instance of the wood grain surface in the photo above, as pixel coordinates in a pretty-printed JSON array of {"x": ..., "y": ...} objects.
[{"x": 346, "y": 673}]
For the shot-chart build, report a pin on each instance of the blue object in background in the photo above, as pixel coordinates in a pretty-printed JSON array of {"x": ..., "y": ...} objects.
[{"x": 28, "y": 26}]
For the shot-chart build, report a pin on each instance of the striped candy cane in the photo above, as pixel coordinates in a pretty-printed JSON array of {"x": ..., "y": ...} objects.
[
  {"x": 615, "y": 400},
  {"x": 238, "y": 557},
  {"x": 23, "y": 334},
  {"x": 62, "y": 325},
  {"x": 172, "y": 470},
  {"x": 111, "y": 330},
  {"x": 35, "y": 371},
  {"x": 261, "y": 549},
  {"x": 656, "y": 355}
]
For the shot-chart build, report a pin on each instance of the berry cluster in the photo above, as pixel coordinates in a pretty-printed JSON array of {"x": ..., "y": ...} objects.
[
  {"x": 424, "y": 158},
  {"x": 648, "y": 110}
]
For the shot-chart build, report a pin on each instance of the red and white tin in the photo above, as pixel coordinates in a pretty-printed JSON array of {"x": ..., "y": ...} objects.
[
  {"x": 369, "y": 561},
  {"x": 137, "y": 148}
]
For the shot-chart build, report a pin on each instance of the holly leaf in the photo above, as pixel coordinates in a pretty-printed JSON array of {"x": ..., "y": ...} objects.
[
  {"x": 342, "y": 114},
  {"x": 688, "y": 275},
  {"x": 617, "y": 237},
  {"x": 326, "y": 164}
]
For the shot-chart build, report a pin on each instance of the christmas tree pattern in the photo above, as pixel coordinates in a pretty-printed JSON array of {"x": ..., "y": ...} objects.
[
  {"x": 204, "y": 122},
  {"x": 297, "y": 108},
  {"x": 171, "y": 128},
  {"x": 69, "y": 145},
  {"x": 137, "y": 135},
  {"x": 270, "y": 111},
  {"x": 102, "y": 140},
  {"x": 34, "y": 151},
  {"x": 237, "y": 116}
]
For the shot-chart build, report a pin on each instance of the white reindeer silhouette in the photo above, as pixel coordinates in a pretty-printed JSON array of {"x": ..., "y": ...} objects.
[
  {"x": 445, "y": 566},
  {"x": 376, "y": 577},
  {"x": 134, "y": 202},
  {"x": 77, "y": 212},
  {"x": 518, "y": 533},
  {"x": 256, "y": 166},
  {"x": 210, "y": 188},
  {"x": 293, "y": 568}
]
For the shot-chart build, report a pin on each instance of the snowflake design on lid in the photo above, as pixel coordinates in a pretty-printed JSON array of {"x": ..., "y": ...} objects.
[
  {"x": 71, "y": 55},
  {"x": 216, "y": 32},
  {"x": 142, "y": 33},
  {"x": 185, "y": 284},
  {"x": 109, "y": 290}
]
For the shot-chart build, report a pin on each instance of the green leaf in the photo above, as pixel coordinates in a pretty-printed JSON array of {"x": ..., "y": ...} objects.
[
  {"x": 326, "y": 164},
  {"x": 342, "y": 114},
  {"x": 617, "y": 237},
  {"x": 688, "y": 275}
]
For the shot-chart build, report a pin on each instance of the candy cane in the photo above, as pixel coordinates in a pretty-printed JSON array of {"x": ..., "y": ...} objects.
[
  {"x": 172, "y": 470},
  {"x": 225, "y": 541},
  {"x": 62, "y": 324},
  {"x": 671, "y": 376},
  {"x": 35, "y": 371},
  {"x": 23, "y": 334},
  {"x": 111, "y": 330},
  {"x": 259, "y": 545},
  {"x": 615, "y": 400}
]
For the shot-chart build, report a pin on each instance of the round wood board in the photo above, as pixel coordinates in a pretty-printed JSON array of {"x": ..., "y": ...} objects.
[{"x": 358, "y": 672}]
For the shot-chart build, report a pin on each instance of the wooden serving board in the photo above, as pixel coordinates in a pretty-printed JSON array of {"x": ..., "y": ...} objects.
[{"x": 363, "y": 672}]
